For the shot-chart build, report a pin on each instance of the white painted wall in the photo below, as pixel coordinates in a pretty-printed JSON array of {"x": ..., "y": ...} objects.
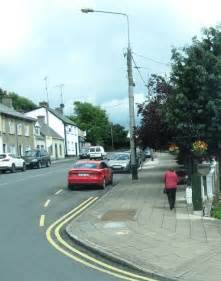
[
  {"x": 1, "y": 145},
  {"x": 58, "y": 126}
]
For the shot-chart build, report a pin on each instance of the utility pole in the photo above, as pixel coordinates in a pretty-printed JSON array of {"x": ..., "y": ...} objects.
[
  {"x": 130, "y": 91},
  {"x": 131, "y": 114},
  {"x": 112, "y": 137}
]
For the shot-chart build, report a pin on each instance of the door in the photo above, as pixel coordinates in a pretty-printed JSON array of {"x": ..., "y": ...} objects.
[{"x": 56, "y": 151}]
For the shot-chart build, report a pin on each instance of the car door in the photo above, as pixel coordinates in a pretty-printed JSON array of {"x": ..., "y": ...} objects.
[{"x": 19, "y": 161}]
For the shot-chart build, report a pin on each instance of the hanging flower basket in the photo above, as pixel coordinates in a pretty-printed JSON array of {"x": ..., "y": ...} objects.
[
  {"x": 199, "y": 148},
  {"x": 173, "y": 149}
]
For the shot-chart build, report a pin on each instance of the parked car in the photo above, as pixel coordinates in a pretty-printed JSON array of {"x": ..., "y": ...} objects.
[
  {"x": 84, "y": 153},
  {"x": 96, "y": 152},
  {"x": 148, "y": 153},
  {"x": 10, "y": 162},
  {"x": 36, "y": 158},
  {"x": 120, "y": 161},
  {"x": 90, "y": 172}
]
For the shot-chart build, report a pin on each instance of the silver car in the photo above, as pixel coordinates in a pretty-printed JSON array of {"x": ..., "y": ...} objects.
[{"x": 120, "y": 162}]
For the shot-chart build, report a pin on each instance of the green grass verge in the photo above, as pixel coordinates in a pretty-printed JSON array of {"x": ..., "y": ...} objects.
[{"x": 216, "y": 211}]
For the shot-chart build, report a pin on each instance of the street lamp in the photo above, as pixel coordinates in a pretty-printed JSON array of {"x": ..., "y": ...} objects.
[{"x": 130, "y": 91}]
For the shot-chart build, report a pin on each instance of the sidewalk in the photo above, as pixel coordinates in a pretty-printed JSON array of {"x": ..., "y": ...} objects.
[{"x": 132, "y": 223}]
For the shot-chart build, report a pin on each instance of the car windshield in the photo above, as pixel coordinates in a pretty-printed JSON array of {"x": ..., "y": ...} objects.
[
  {"x": 119, "y": 157},
  {"x": 85, "y": 165},
  {"x": 2, "y": 156},
  {"x": 30, "y": 153}
]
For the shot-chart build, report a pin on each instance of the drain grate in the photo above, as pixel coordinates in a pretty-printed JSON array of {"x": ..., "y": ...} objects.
[{"x": 119, "y": 215}]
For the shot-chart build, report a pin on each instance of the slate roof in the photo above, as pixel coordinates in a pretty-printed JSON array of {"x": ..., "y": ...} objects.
[
  {"x": 47, "y": 131},
  {"x": 12, "y": 112},
  {"x": 65, "y": 119}
]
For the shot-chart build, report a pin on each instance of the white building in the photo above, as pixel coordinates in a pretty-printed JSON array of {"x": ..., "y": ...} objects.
[{"x": 62, "y": 125}]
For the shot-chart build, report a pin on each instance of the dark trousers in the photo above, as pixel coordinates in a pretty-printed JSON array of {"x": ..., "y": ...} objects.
[{"x": 171, "y": 194}]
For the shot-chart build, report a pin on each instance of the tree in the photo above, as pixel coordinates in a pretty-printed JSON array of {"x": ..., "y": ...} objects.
[
  {"x": 194, "y": 105},
  {"x": 120, "y": 136},
  {"x": 94, "y": 120},
  {"x": 154, "y": 131},
  {"x": 19, "y": 103}
]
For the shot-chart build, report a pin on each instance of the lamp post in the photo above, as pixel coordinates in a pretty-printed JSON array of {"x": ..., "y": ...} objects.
[{"x": 130, "y": 91}]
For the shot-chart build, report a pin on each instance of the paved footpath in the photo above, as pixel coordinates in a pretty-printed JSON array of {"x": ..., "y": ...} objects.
[{"x": 132, "y": 223}]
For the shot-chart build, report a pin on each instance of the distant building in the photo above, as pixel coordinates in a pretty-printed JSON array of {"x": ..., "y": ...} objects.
[
  {"x": 62, "y": 125},
  {"x": 16, "y": 129},
  {"x": 46, "y": 138}
]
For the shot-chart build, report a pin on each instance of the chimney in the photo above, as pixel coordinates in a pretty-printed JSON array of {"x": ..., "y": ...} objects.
[
  {"x": 43, "y": 103},
  {"x": 60, "y": 109},
  {"x": 41, "y": 120},
  {"x": 7, "y": 100}
]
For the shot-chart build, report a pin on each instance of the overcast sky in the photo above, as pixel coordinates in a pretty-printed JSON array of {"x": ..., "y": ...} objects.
[{"x": 85, "y": 52}]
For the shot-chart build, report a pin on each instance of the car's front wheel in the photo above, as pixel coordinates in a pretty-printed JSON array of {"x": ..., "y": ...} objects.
[
  {"x": 13, "y": 168},
  {"x": 24, "y": 167},
  {"x": 39, "y": 165}
]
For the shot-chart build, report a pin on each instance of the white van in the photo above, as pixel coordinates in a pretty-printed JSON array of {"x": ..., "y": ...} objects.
[{"x": 96, "y": 152}]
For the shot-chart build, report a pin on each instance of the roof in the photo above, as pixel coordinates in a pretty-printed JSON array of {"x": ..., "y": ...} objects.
[
  {"x": 65, "y": 119},
  {"x": 47, "y": 131},
  {"x": 12, "y": 112}
]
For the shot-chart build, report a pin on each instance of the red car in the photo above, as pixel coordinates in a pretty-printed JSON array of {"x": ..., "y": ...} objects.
[{"x": 90, "y": 172}]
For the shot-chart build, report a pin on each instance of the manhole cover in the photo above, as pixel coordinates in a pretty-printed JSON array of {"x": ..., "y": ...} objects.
[{"x": 119, "y": 215}]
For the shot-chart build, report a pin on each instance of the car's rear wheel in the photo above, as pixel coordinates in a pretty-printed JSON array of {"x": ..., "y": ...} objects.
[
  {"x": 24, "y": 167},
  {"x": 112, "y": 180},
  {"x": 13, "y": 168},
  {"x": 103, "y": 184}
]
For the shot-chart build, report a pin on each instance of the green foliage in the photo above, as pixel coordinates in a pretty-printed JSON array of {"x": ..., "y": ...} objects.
[
  {"x": 193, "y": 109},
  {"x": 216, "y": 211},
  {"x": 19, "y": 103},
  {"x": 94, "y": 120}
]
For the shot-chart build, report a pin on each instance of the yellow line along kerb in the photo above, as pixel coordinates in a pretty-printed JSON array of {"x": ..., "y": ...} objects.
[
  {"x": 109, "y": 269},
  {"x": 42, "y": 221}
]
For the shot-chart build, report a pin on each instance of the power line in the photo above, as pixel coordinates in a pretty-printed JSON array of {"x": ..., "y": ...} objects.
[
  {"x": 138, "y": 70},
  {"x": 153, "y": 60}
]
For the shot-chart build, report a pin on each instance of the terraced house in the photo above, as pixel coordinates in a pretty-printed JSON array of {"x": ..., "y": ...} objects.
[{"x": 16, "y": 129}]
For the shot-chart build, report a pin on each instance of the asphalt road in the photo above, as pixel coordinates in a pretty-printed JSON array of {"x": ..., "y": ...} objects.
[{"x": 25, "y": 254}]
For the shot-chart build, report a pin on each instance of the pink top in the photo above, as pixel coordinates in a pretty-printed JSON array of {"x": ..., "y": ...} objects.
[{"x": 170, "y": 180}]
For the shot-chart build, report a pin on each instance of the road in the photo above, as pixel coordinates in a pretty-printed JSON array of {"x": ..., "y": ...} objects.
[{"x": 29, "y": 202}]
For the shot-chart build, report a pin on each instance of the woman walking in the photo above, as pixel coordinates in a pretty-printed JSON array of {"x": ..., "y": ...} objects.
[{"x": 170, "y": 183}]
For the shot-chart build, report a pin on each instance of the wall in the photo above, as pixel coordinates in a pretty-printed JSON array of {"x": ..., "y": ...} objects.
[{"x": 17, "y": 142}]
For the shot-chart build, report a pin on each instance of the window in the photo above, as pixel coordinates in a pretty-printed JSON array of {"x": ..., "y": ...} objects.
[
  {"x": 11, "y": 149},
  {"x": 3, "y": 126},
  {"x": 60, "y": 147},
  {"x": 11, "y": 125},
  {"x": 4, "y": 148},
  {"x": 19, "y": 129},
  {"x": 26, "y": 130},
  {"x": 37, "y": 130}
]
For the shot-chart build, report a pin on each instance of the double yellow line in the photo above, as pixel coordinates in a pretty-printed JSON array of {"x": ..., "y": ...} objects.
[{"x": 62, "y": 246}]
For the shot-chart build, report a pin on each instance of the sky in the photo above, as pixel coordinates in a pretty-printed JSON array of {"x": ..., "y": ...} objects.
[{"x": 86, "y": 52}]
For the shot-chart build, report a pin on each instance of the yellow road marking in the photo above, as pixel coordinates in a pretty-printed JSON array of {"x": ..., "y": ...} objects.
[
  {"x": 109, "y": 269},
  {"x": 47, "y": 203},
  {"x": 42, "y": 221},
  {"x": 58, "y": 192}
]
